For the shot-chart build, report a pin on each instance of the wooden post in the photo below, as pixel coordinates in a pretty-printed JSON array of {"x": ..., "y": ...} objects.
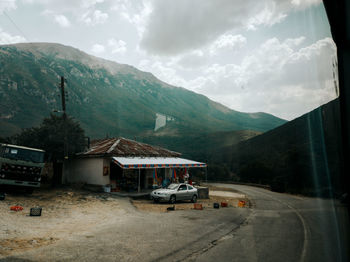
[
  {"x": 139, "y": 186},
  {"x": 206, "y": 174}
]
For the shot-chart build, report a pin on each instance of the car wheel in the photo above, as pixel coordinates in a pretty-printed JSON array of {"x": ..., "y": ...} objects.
[
  {"x": 172, "y": 199},
  {"x": 155, "y": 200},
  {"x": 194, "y": 199}
]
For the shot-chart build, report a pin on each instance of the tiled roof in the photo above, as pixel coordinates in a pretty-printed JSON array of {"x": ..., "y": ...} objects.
[{"x": 125, "y": 147}]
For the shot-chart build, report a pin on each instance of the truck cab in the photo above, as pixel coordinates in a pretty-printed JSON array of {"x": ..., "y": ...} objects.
[{"x": 20, "y": 166}]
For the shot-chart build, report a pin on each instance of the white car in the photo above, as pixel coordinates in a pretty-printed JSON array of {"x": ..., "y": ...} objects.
[{"x": 175, "y": 192}]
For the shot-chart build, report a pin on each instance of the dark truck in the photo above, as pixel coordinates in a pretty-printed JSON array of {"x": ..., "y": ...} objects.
[{"x": 20, "y": 166}]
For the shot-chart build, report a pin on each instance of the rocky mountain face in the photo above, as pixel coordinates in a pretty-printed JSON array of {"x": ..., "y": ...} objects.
[{"x": 106, "y": 97}]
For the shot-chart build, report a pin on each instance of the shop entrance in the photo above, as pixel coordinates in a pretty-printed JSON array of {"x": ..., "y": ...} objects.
[{"x": 126, "y": 179}]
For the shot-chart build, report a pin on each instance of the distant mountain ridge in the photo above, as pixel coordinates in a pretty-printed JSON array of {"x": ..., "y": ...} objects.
[{"x": 106, "y": 97}]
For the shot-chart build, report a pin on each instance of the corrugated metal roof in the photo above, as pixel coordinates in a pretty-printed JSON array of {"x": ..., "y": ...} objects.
[
  {"x": 155, "y": 162},
  {"x": 125, "y": 147}
]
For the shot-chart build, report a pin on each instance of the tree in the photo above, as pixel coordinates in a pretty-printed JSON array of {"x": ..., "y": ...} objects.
[
  {"x": 5, "y": 140},
  {"x": 50, "y": 136}
]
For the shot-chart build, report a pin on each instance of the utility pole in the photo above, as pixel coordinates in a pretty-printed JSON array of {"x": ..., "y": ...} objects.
[{"x": 63, "y": 99}]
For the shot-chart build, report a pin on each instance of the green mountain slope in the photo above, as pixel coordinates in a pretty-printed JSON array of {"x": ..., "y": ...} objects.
[
  {"x": 106, "y": 97},
  {"x": 201, "y": 146}
]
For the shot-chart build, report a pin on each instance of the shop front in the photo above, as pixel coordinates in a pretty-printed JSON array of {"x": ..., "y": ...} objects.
[
  {"x": 124, "y": 165},
  {"x": 133, "y": 174}
]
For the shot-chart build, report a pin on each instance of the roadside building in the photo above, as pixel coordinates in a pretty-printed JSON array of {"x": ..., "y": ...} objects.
[{"x": 127, "y": 165}]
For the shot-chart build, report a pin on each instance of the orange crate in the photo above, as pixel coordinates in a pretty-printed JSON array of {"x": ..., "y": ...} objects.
[
  {"x": 241, "y": 203},
  {"x": 198, "y": 206},
  {"x": 223, "y": 204},
  {"x": 16, "y": 208}
]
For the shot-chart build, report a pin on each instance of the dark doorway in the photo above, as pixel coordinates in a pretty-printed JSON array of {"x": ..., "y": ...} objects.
[
  {"x": 143, "y": 178},
  {"x": 57, "y": 174}
]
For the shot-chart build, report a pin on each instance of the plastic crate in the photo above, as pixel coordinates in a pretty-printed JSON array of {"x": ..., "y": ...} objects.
[
  {"x": 198, "y": 206},
  {"x": 241, "y": 203},
  {"x": 35, "y": 211},
  {"x": 223, "y": 204}
]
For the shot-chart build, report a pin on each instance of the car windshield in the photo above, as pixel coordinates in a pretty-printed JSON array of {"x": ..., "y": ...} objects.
[
  {"x": 172, "y": 186},
  {"x": 241, "y": 100}
]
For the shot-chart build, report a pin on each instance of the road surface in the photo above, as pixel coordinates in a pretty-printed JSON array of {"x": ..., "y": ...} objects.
[
  {"x": 278, "y": 227},
  {"x": 284, "y": 227}
]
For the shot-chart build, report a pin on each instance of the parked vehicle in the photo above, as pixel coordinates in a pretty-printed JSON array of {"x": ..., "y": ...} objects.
[
  {"x": 21, "y": 166},
  {"x": 175, "y": 192}
]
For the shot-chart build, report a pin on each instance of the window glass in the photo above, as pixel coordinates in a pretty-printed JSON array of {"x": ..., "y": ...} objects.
[
  {"x": 182, "y": 187},
  {"x": 14, "y": 151},
  {"x": 243, "y": 97},
  {"x": 24, "y": 154}
]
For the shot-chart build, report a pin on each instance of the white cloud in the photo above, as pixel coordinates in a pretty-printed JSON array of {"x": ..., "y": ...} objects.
[
  {"x": 118, "y": 46},
  {"x": 269, "y": 15},
  {"x": 284, "y": 78},
  {"x": 90, "y": 3},
  {"x": 294, "y": 42},
  {"x": 69, "y": 6},
  {"x": 277, "y": 77},
  {"x": 134, "y": 12},
  {"x": 94, "y": 18},
  {"x": 7, "y": 5},
  {"x": 98, "y": 49},
  {"x": 190, "y": 61},
  {"x": 62, "y": 20},
  {"x": 6, "y": 38},
  {"x": 86, "y": 11},
  {"x": 305, "y": 3},
  {"x": 162, "y": 71},
  {"x": 228, "y": 41},
  {"x": 173, "y": 27}
]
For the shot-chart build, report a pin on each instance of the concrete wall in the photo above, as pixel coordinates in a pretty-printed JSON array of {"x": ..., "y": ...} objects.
[{"x": 87, "y": 170}]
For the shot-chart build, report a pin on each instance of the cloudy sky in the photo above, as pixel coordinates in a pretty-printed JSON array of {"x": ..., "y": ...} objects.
[{"x": 272, "y": 56}]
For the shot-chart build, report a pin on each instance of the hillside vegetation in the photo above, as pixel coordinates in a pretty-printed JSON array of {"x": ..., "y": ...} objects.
[{"x": 106, "y": 97}]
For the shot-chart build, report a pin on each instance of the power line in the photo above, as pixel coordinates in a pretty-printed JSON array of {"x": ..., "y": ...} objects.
[{"x": 17, "y": 27}]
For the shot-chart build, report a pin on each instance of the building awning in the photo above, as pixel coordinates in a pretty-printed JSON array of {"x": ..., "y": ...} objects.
[{"x": 155, "y": 162}]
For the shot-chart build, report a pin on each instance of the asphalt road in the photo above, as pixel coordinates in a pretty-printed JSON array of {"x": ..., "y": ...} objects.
[
  {"x": 279, "y": 227},
  {"x": 284, "y": 227}
]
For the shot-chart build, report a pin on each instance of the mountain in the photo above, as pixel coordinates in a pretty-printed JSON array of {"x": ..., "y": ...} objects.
[
  {"x": 201, "y": 146},
  {"x": 301, "y": 156},
  {"x": 106, "y": 97}
]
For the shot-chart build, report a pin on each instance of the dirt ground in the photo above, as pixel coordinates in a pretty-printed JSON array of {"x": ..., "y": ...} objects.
[
  {"x": 216, "y": 195},
  {"x": 64, "y": 212},
  {"x": 68, "y": 212}
]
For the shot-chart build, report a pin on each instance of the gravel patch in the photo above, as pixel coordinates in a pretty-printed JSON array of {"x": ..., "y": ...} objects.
[
  {"x": 65, "y": 213},
  {"x": 226, "y": 194}
]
